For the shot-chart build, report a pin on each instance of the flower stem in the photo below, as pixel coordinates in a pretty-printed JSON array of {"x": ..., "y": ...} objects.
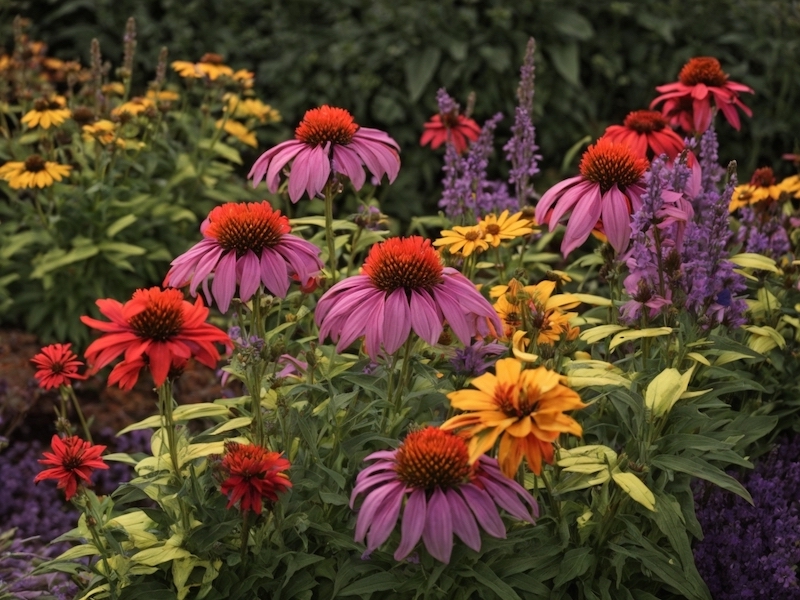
[
  {"x": 69, "y": 391},
  {"x": 401, "y": 384},
  {"x": 168, "y": 424},
  {"x": 329, "y": 232}
]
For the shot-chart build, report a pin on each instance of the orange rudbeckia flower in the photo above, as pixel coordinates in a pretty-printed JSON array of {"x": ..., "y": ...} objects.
[{"x": 524, "y": 409}]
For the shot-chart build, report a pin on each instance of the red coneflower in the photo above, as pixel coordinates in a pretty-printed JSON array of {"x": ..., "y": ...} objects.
[
  {"x": 328, "y": 139},
  {"x": 404, "y": 287},
  {"x": 647, "y": 134},
  {"x": 602, "y": 197},
  {"x": 248, "y": 244},
  {"x": 253, "y": 473},
  {"x": 57, "y": 365},
  {"x": 687, "y": 102},
  {"x": 73, "y": 460},
  {"x": 155, "y": 327}
]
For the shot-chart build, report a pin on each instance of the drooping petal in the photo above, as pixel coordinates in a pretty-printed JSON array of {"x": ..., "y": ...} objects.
[
  {"x": 438, "y": 531},
  {"x": 414, "y": 517},
  {"x": 464, "y": 525},
  {"x": 224, "y": 284}
]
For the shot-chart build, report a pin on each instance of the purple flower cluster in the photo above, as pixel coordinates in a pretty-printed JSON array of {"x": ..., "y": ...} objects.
[
  {"x": 657, "y": 231},
  {"x": 447, "y": 105},
  {"x": 466, "y": 187},
  {"x": 476, "y": 359},
  {"x": 17, "y": 561},
  {"x": 521, "y": 149},
  {"x": 712, "y": 285},
  {"x": 761, "y": 230},
  {"x": 752, "y": 551}
]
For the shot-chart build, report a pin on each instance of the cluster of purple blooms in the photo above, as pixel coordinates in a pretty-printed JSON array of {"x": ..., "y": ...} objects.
[
  {"x": 762, "y": 230},
  {"x": 476, "y": 359},
  {"x": 752, "y": 552},
  {"x": 467, "y": 189},
  {"x": 680, "y": 237}
]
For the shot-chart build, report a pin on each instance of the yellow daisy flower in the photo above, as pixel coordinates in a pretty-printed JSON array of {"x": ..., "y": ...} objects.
[
  {"x": 535, "y": 308},
  {"x": 463, "y": 240},
  {"x": 523, "y": 408},
  {"x": 210, "y": 65},
  {"x": 104, "y": 131},
  {"x": 33, "y": 172},
  {"x": 761, "y": 187},
  {"x": 133, "y": 107},
  {"x": 115, "y": 88},
  {"x": 163, "y": 96},
  {"x": 496, "y": 229},
  {"x": 791, "y": 185},
  {"x": 47, "y": 112},
  {"x": 239, "y": 131},
  {"x": 243, "y": 108},
  {"x": 245, "y": 78}
]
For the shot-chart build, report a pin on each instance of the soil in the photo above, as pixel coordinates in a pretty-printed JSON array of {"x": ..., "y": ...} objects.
[{"x": 29, "y": 411}]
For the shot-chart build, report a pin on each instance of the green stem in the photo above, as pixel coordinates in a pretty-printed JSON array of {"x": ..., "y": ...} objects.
[
  {"x": 245, "y": 534},
  {"x": 401, "y": 384},
  {"x": 551, "y": 494},
  {"x": 329, "y": 232},
  {"x": 69, "y": 391},
  {"x": 92, "y": 519},
  {"x": 168, "y": 424},
  {"x": 353, "y": 243},
  {"x": 255, "y": 373}
]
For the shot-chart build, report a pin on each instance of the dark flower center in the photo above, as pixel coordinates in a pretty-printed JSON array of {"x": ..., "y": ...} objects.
[
  {"x": 44, "y": 104},
  {"x": 409, "y": 263},
  {"x": 34, "y": 163},
  {"x": 703, "y": 69},
  {"x": 450, "y": 119},
  {"x": 326, "y": 124},
  {"x": 609, "y": 164},
  {"x": 527, "y": 399},
  {"x": 432, "y": 458},
  {"x": 252, "y": 226},
  {"x": 763, "y": 177},
  {"x": 210, "y": 58},
  {"x": 493, "y": 229},
  {"x": 645, "y": 121},
  {"x": 162, "y": 317}
]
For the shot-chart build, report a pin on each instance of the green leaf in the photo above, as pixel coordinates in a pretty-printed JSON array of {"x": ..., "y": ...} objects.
[
  {"x": 576, "y": 562},
  {"x": 484, "y": 575},
  {"x": 636, "y": 489},
  {"x": 572, "y": 24},
  {"x": 420, "y": 68},
  {"x": 703, "y": 470},
  {"x": 379, "y": 582},
  {"x": 227, "y": 152},
  {"x": 57, "y": 259},
  {"x": 565, "y": 60},
  {"x": 120, "y": 224},
  {"x": 18, "y": 241},
  {"x": 122, "y": 248}
]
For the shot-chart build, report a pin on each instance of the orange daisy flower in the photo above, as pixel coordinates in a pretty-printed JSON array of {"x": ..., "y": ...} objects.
[{"x": 524, "y": 409}]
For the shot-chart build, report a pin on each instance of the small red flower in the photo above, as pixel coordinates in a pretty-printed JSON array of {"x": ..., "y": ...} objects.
[
  {"x": 252, "y": 474},
  {"x": 156, "y": 327},
  {"x": 73, "y": 460},
  {"x": 57, "y": 365},
  {"x": 451, "y": 127},
  {"x": 687, "y": 102}
]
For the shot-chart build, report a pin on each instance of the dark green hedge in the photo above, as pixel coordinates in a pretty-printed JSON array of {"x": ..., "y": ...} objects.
[{"x": 384, "y": 60}]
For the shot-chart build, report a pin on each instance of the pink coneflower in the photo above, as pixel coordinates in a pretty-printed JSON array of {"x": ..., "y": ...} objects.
[
  {"x": 56, "y": 365},
  {"x": 328, "y": 139},
  {"x": 446, "y": 495},
  {"x": 687, "y": 102},
  {"x": 403, "y": 287},
  {"x": 647, "y": 134},
  {"x": 601, "y": 198},
  {"x": 248, "y": 244}
]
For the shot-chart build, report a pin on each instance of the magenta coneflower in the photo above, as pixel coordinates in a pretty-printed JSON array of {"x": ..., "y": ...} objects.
[
  {"x": 403, "y": 287},
  {"x": 248, "y": 244},
  {"x": 687, "y": 102},
  {"x": 601, "y": 198},
  {"x": 648, "y": 135},
  {"x": 446, "y": 495},
  {"x": 328, "y": 139}
]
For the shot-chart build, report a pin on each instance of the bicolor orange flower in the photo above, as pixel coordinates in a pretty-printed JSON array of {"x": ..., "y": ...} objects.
[
  {"x": 252, "y": 474},
  {"x": 157, "y": 328},
  {"x": 72, "y": 463},
  {"x": 535, "y": 308},
  {"x": 524, "y": 409}
]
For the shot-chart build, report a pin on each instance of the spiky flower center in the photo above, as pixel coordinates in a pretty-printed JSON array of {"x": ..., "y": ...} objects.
[
  {"x": 252, "y": 226},
  {"x": 245, "y": 460},
  {"x": 326, "y": 124},
  {"x": 763, "y": 177},
  {"x": 45, "y": 104},
  {"x": 516, "y": 400},
  {"x": 409, "y": 263},
  {"x": 609, "y": 164},
  {"x": 34, "y": 163},
  {"x": 211, "y": 58},
  {"x": 645, "y": 121},
  {"x": 432, "y": 458},
  {"x": 162, "y": 317},
  {"x": 703, "y": 69},
  {"x": 450, "y": 119}
]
